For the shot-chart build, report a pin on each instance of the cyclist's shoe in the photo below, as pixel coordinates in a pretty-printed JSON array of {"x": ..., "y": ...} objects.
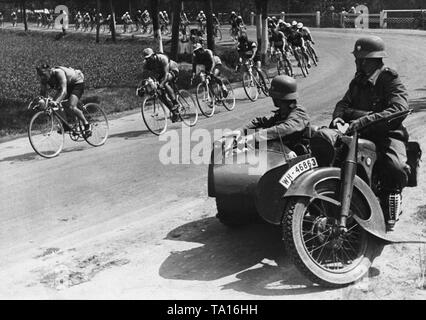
[
  {"x": 175, "y": 113},
  {"x": 309, "y": 65},
  {"x": 88, "y": 130}
]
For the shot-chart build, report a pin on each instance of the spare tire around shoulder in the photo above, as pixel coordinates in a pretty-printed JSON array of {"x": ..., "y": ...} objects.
[{"x": 236, "y": 210}]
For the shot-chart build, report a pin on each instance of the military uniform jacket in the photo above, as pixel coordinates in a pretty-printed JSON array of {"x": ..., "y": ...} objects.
[
  {"x": 377, "y": 96},
  {"x": 289, "y": 125}
]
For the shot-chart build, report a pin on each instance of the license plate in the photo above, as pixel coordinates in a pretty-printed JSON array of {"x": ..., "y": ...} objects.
[{"x": 296, "y": 170}]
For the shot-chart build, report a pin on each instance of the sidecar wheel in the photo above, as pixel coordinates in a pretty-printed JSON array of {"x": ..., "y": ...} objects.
[
  {"x": 316, "y": 247},
  {"x": 236, "y": 210}
]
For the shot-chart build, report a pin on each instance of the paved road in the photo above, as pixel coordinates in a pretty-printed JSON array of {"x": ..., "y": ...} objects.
[{"x": 113, "y": 222}]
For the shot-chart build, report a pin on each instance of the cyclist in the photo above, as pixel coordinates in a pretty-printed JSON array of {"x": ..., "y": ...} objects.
[
  {"x": 184, "y": 22},
  {"x": 216, "y": 24},
  {"x": 248, "y": 50},
  {"x": 14, "y": 18},
  {"x": 78, "y": 20},
  {"x": 289, "y": 121},
  {"x": 68, "y": 83},
  {"x": 127, "y": 21},
  {"x": 86, "y": 21},
  {"x": 211, "y": 65},
  {"x": 295, "y": 39},
  {"x": 201, "y": 19},
  {"x": 145, "y": 20},
  {"x": 38, "y": 19},
  {"x": 138, "y": 19},
  {"x": 278, "y": 42},
  {"x": 307, "y": 36},
  {"x": 164, "y": 71},
  {"x": 1, "y": 19}
]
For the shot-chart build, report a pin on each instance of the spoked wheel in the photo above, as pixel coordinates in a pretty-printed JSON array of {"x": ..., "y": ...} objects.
[
  {"x": 250, "y": 87},
  {"x": 188, "y": 111},
  {"x": 99, "y": 121},
  {"x": 46, "y": 134},
  {"x": 287, "y": 68},
  {"x": 300, "y": 62},
  {"x": 265, "y": 82},
  {"x": 154, "y": 115},
  {"x": 229, "y": 100},
  {"x": 318, "y": 249},
  {"x": 311, "y": 55},
  {"x": 205, "y": 100}
]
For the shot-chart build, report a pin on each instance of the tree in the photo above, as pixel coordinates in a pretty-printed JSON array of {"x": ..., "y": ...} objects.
[
  {"x": 98, "y": 22},
  {"x": 210, "y": 36},
  {"x": 112, "y": 23},
  {"x": 156, "y": 24},
  {"x": 24, "y": 14},
  {"x": 175, "y": 28},
  {"x": 264, "y": 44}
]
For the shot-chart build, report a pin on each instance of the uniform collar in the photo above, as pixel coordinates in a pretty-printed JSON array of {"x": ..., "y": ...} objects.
[{"x": 375, "y": 75}]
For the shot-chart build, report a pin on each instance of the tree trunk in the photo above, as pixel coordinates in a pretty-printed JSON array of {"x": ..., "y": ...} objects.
[
  {"x": 112, "y": 26},
  {"x": 259, "y": 21},
  {"x": 264, "y": 45},
  {"x": 24, "y": 15},
  {"x": 156, "y": 24},
  {"x": 175, "y": 28},
  {"x": 98, "y": 25},
  {"x": 210, "y": 36}
]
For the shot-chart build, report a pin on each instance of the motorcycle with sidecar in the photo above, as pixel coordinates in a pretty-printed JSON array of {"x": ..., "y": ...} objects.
[{"x": 323, "y": 197}]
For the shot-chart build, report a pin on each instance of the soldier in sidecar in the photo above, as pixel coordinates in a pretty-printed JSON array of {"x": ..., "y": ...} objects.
[{"x": 230, "y": 182}]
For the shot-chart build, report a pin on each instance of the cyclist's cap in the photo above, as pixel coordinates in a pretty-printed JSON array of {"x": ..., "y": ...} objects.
[
  {"x": 197, "y": 46},
  {"x": 300, "y": 25},
  {"x": 147, "y": 52},
  {"x": 294, "y": 23}
]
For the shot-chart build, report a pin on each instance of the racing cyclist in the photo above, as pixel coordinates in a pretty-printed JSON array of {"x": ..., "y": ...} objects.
[
  {"x": 210, "y": 62},
  {"x": 307, "y": 36},
  {"x": 164, "y": 71},
  {"x": 278, "y": 42},
  {"x": 68, "y": 83},
  {"x": 248, "y": 50},
  {"x": 295, "y": 39}
]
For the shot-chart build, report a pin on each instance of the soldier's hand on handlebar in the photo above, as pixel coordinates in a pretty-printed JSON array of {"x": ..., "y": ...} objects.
[
  {"x": 356, "y": 125},
  {"x": 336, "y": 121}
]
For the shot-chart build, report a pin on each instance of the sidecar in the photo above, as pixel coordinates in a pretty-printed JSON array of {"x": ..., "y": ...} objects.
[{"x": 233, "y": 177}]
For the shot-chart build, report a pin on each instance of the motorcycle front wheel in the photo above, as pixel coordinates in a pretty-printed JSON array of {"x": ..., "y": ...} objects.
[{"x": 319, "y": 251}]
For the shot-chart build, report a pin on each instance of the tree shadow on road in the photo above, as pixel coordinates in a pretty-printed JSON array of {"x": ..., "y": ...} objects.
[
  {"x": 254, "y": 254},
  {"x": 32, "y": 155}
]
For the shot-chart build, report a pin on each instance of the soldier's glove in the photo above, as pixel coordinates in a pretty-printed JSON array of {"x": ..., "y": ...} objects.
[
  {"x": 357, "y": 124},
  {"x": 336, "y": 121}
]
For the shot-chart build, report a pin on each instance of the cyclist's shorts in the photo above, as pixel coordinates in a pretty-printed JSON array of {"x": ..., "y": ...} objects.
[{"x": 75, "y": 89}]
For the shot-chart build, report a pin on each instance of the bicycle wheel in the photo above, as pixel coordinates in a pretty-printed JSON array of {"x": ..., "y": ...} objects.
[
  {"x": 300, "y": 63},
  {"x": 205, "y": 100},
  {"x": 46, "y": 134},
  {"x": 188, "y": 111},
  {"x": 264, "y": 82},
  {"x": 249, "y": 85},
  {"x": 99, "y": 121},
  {"x": 154, "y": 115},
  {"x": 287, "y": 68},
  {"x": 312, "y": 55},
  {"x": 228, "y": 101}
]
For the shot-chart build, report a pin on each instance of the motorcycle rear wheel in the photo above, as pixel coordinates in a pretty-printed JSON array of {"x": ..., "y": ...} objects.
[{"x": 330, "y": 260}]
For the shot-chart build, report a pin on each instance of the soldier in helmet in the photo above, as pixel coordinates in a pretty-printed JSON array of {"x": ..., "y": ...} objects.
[
  {"x": 288, "y": 121},
  {"x": 376, "y": 92}
]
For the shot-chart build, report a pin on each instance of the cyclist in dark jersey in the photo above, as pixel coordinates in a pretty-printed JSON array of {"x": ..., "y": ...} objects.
[
  {"x": 295, "y": 39},
  {"x": 248, "y": 50},
  {"x": 164, "y": 71},
  {"x": 68, "y": 83},
  {"x": 278, "y": 42},
  {"x": 210, "y": 62}
]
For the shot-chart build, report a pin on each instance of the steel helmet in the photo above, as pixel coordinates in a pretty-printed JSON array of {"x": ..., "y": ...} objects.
[
  {"x": 294, "y": 23},
  {"x": 369, "y": 47},
  {"x": 299, "y": 25},
  {"x": 197, "y": 46},
  {"x": 147, "y": 52},
  {"x": 283, "y": 88}
]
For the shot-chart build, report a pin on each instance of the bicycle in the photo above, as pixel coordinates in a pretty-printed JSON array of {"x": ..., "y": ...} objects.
[
  {"x": 46, "y": 129},
  {"x": 301, "y": 60},
  {"x": 283, "y": 64},
  {"x": 211, "y": 94},
  {"x": 235, "y": 33},
  {"x": 254, "y": 82},
  {"x": 311, "y": 52},
  {"x": 154, "y": 111}
]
